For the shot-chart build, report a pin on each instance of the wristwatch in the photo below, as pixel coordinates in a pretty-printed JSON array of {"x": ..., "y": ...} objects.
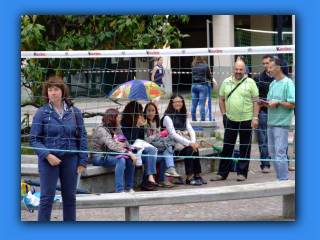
[
  {"x": 256, "y": 118},
  {"x": 278, "y": 104}
]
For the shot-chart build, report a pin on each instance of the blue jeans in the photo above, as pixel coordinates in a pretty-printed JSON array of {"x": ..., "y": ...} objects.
[
  {"x": 149, "y": 164},
  {"x": 165, "y": 162},
  {"x": 277, "y": 146},
  {"x": 199, "y": 93},
  {"x": 120, "y": 163},
  {"x": 67, "y": 172},
  {"x": 263, "y": 139}
]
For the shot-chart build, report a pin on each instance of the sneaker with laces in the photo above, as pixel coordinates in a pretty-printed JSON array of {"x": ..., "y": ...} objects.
[
  {"x": 129, "y": 191},
  {"x": 165, "y": 184},
  {"x": 193, "y": 181},
  {"x": 217, "y": 177},
  {"x": 171, "y": 172},
  {"x": 200, "y": 179},
  {"x": 241, "y": 178}
]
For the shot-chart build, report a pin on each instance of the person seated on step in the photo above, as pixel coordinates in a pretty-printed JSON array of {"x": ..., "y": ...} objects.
[
  {"x": 132, "y": 125},
  {"x": 174, "y": 119},
  {"x": 153, "y": 136},
  {"x": 108, "y": 137}
]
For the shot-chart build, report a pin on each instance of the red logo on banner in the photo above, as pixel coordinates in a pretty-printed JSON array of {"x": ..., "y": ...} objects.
[
  {"x": 283, "y": 49},
  {"x": 94, "y": 53},
  {"x": 39, "y": 54},
  {"x": 153, "y": 52},
  {"x": 214, "y": 50}
]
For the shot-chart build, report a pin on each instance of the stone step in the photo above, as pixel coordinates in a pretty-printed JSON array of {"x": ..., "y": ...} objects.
[
  {"x": 204, "y": 124},
  {"x": 102, "y": 180}
]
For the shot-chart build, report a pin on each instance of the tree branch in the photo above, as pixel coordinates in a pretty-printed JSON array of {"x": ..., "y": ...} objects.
[
  {"x": 114, "y": 40},
  {"x": 32, "y": 104}
]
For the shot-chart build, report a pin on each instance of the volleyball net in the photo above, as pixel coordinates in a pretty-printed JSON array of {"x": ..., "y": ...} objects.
[{"x": 92, "y": 76}]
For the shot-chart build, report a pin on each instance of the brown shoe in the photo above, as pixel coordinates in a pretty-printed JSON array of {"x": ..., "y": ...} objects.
[
  {"x": 147, "y": 188},
  {"x": 266, "y": 170},
  {"x": 217, "y": 177},
  {"x": 241, "y": 178},
  {"x": 291, "y": 168}
]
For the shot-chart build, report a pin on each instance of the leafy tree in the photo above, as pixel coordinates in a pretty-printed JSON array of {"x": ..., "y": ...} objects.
[{"x": 89, "y": 32}]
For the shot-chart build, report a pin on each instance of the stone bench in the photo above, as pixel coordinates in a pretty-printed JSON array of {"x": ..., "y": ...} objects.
[
  {"x": 132, "y": 201},
  {"x": 101, "y": 179},
  {"x": 207, "y": 127}
]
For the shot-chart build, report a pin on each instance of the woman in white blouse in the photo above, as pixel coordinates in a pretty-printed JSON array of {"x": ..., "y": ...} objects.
[{"x": 175, "y": 118}]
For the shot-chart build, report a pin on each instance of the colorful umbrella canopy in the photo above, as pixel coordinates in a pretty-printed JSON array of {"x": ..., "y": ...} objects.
[{"x": 136, "y": 90}]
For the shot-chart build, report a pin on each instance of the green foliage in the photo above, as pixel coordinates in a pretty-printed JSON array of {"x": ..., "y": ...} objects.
[
  {"x": 214, "y": 94},
  {"x": 75, "y": 32},
  {"x": 26, "y": 120},
  {"x": 199, "y": 134},
  {"x": 27, "y": 151},
  {"x": 217, "y": 135},
  {"x": 89, "y": 32}
]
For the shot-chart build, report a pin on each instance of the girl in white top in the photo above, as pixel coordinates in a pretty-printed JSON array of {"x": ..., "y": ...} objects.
[{"x": 175, "y": 118}]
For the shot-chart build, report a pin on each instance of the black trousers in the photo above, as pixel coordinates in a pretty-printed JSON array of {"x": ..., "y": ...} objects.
[
  {"x": 192, "y": 165},
  {"x": 230, "y": 137}
]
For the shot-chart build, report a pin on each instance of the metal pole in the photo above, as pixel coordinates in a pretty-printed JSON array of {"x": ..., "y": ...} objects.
[
  {"x": 209, "y": 86},
  {"x": 208, "y": 39},
  {"x": 279, "y": 17}
]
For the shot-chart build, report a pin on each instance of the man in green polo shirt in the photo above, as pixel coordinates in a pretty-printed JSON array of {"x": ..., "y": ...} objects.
[
  {"x": 240, "y": 115},
  {"x": 281, "y": 97}
]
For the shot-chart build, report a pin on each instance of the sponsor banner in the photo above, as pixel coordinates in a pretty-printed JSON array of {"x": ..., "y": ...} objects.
[
  {"x": 283, "y": 49},
  {"x": 214, "y": 50},
  {"x": 160, "y": 52},
  {"x": 94, "y": 53},
  {"x": 39, "y": 54},
  {"x": 150, "y": 52}
]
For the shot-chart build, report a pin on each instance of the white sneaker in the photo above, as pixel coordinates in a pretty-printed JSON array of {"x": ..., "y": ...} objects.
[{"x": 129, "y": 191}]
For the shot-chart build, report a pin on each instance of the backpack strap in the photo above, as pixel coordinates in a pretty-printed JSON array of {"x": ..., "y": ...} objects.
[
  {"x": 236, "y": 87},
  {"x": 74, "y": 118}
]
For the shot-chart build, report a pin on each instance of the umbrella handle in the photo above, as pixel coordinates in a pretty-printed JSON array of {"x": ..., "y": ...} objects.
[{"x": 205, "y": 142}]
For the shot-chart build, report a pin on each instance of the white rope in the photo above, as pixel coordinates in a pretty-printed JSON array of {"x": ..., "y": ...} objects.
[{"x": 261, "y": 31}]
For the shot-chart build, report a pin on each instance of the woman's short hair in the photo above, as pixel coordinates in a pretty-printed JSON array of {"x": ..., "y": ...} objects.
[
  {"x": 156, "y": 117},
  {"x": 56, "y": 81},
  {"x": 110, "y": 118},
  {"x": 131, "y": 113}
]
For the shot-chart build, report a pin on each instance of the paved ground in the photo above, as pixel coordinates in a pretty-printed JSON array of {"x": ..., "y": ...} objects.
[{"x": 260, "y": 209}]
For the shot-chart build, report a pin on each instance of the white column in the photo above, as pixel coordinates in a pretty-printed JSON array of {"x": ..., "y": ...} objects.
[
  {"x": 167, "y": 79},
  {"x": 223, "y": 36},
  {"x": 294, "y": 38}
]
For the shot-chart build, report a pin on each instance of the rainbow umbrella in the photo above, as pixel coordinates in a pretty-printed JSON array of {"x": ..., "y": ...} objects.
[{"x": 136, "y": 90}]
